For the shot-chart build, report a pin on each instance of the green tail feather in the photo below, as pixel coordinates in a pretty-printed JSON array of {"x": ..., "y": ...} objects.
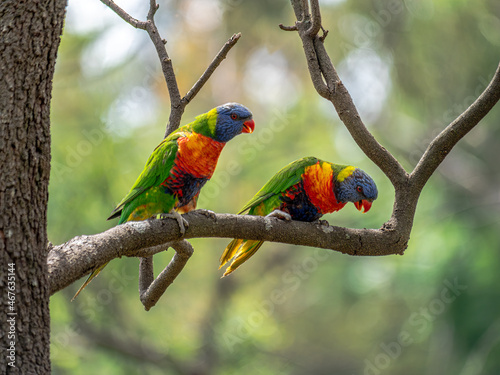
[{"x": 91, "y": 276}]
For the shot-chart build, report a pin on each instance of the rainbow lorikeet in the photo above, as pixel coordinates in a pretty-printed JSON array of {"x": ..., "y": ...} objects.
[
  {"x": 304, "y": 190},
  {"x": 179, "y": 167}
]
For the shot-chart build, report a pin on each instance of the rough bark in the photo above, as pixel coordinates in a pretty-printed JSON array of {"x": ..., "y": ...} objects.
[{"x": 29, "y": 38}]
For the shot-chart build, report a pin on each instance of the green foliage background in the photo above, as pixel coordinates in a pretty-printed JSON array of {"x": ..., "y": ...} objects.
[{"x": 411, "y": 67}]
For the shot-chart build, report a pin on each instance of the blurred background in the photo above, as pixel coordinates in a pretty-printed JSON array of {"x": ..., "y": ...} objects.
[{"x": 411, "y": 67}]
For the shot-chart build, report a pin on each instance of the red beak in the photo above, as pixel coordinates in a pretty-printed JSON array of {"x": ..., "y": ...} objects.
[
  {"x": 248, "y": 126},
  {"x": 363, "y": 204}
]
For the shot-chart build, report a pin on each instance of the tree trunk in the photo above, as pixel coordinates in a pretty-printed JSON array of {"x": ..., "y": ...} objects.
[{"x": 29, "y": 37}]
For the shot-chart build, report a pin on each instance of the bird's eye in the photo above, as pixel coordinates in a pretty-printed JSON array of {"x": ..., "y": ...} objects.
[
  {"x": 359, "y": 189},
  {"x": 234, "y": 116}
]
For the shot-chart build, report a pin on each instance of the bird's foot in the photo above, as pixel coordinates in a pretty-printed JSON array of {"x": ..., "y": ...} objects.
[
  {"x": 183, "y": 223},
  {"x": 323, "y": 223},
  {"x": 208, "y": 213},
  {"x": 280, "y": 215}
]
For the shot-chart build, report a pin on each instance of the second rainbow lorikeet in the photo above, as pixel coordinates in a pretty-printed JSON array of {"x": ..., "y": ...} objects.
[
  {"x": 304, "y": 190},
  {"x": 179, "y": 167}
]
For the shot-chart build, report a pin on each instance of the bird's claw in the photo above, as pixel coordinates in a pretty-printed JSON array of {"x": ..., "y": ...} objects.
[
  {"x": 323, "y": 223},
  {"x": 280, "y": 215},
  {"x": 208, "y": 213},
  {"x": 183, "y": 223}
]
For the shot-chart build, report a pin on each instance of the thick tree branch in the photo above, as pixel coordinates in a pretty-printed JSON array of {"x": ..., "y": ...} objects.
[{"x": 72, "y": 260}]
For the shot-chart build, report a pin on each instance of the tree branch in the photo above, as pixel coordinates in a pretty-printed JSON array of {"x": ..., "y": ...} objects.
[
  {"x": 211, "y": 68},
  {"x": 328, "y": 84},
  {"x": 441, "y": 146},
  {"x": 155, "y": 289},
  {"x": 177, "y": 104},
  {"x": 315, "y": 19},
  {"x": 146, "y": 272},
  {"x": 72, "y": 260},
  {"x": 124, "y": 15}
]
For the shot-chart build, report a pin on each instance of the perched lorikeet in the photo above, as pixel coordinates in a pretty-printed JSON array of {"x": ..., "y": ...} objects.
[
  {"x": 304, "y": 190},
  {"x": 179, "y": 167}
]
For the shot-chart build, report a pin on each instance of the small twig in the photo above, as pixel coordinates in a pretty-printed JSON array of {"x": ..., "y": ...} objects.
[
  {"x": 325, "y": 34},
  {"x": 288, "y": 28},
  {"x": 221, "y": 55},
  {"x": 153, "y": 7},
  {"x": 124, "y": 15},
  {"x": 149, "y": 296},
  {"x": 176, "y": 109}
]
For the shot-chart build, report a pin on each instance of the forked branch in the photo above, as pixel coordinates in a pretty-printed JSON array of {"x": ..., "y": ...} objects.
[
  {"x": 327, "y": 83},
  {"x": 177, "y": 103}
]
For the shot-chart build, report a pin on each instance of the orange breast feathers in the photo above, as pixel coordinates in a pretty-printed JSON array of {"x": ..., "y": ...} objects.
[
  {"x": 198, "y": 155},
  {"x": 319, "y": 187}
]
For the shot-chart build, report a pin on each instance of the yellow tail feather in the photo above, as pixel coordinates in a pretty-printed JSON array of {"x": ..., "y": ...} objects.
[
  {"x": 239, "y": 251},
  {"x": 91, "y": 276},
  {"x": 230, "y": 251}
]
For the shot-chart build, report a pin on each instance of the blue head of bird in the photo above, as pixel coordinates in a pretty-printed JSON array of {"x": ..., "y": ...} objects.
[
  {"x": 356, "y": 186},
  {"x": 232, "y": 119}
]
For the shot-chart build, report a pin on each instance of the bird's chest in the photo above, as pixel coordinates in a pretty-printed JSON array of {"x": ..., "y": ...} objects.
[
  {"x": 197, "y": 155},
  {"x": 318, "y": 185},
  {"x": 194, "y": 164}
]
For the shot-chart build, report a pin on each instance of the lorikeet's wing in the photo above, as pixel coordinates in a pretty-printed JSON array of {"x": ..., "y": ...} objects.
[
  {"x": 157, "y": 169},
  {"x": 280, "y": 182}
]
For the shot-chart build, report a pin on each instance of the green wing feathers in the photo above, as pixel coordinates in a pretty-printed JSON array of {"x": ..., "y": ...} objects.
[
  {"x": 280, "y": 182},
  {"x": 157, "y": 169}
]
